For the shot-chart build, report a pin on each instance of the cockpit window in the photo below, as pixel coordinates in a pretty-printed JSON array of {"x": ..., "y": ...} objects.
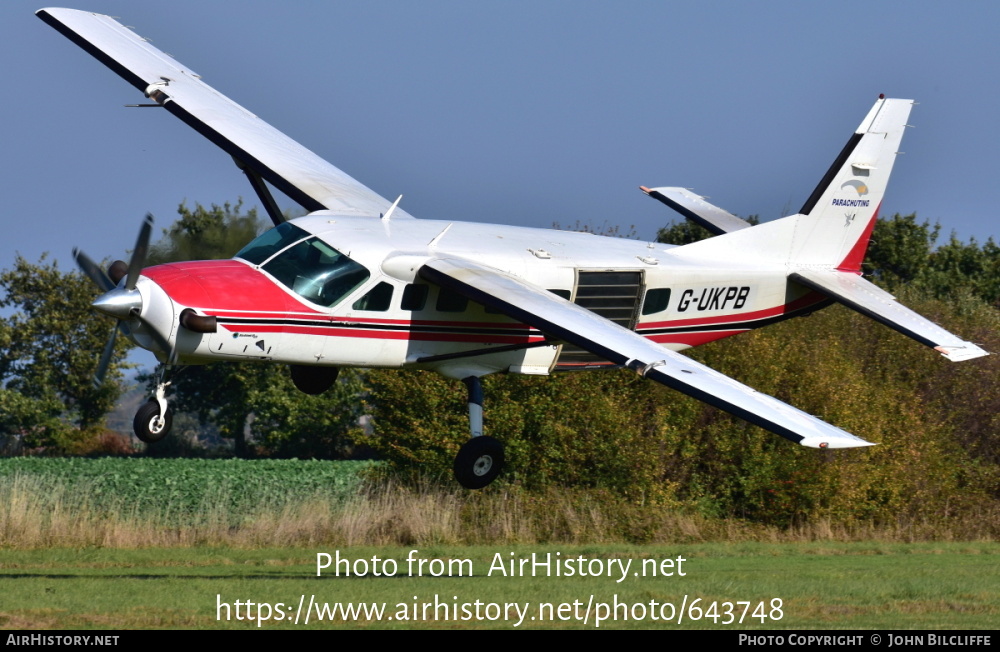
[
  {"x": 311, "y": 268},
  {"x": 271, "y": 242}
]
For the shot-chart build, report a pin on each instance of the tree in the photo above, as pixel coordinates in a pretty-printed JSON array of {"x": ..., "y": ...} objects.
[
  {"x": 49, "y": 348},
  {"x": 206, "y": 233},
  {"x": 904, "y": 252},
  {"x": 899, "y": 250}
]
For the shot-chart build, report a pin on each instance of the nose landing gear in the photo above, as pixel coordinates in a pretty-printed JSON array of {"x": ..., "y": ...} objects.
[{"x": 153, "y": 420}]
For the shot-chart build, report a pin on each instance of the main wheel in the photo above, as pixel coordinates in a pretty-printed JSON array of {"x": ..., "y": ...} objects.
[
  {"x": 148, "y": 425},
  {"x": 478, "y": 462}
]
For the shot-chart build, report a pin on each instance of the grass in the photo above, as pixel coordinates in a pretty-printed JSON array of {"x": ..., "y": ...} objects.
[
  {"x": 38, "y": 513},
  {"x": 820, "y": 585}
]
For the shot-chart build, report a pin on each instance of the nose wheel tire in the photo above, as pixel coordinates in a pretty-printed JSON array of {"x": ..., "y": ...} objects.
[
  {"x": 149, "y": 426},
  {"x": 478, "y": 462}
]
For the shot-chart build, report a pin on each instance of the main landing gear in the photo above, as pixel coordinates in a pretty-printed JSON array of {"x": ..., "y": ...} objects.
[
  {"x": 153, "y": 419},
  {"x": 480, "y": 459}
]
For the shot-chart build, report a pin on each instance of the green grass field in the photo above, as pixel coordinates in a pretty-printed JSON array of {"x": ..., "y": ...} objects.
[{"x": 819, "y": 585}]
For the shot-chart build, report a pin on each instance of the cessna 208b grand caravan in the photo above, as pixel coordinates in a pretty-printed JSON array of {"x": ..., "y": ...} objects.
[{"x": 359, "y": 283}]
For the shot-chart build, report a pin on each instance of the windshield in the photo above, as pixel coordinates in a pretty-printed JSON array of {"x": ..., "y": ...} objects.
[
  {"x": 311, "y": 268},
  {"x": 271, "y": 242}
]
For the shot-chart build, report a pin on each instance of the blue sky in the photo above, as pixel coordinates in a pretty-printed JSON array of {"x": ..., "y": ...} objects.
[{"x": 511, "y": 112}]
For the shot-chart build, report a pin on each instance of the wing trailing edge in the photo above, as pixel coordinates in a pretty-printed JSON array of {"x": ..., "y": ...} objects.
[{"x": 570, "y": 323}]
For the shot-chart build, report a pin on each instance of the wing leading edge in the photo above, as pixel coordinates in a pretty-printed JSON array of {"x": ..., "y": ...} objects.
[
  {"x": 570, "y": 323},
  {"x": 296, "y": 171}
]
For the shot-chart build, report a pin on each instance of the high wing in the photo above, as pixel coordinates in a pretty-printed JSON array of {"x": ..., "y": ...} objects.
[
  {"x": 855, "y": 292},
  {"x": 570, "y": 323},
  {"x": 695, "y": 208},
  {"x": 290, "y": 167}
]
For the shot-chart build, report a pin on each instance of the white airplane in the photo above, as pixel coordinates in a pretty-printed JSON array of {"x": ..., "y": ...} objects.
[{"x": 359, "y": 283}]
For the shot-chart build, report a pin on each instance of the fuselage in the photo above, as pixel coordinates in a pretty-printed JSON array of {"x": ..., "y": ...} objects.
[{"x": 345, "y": 291}]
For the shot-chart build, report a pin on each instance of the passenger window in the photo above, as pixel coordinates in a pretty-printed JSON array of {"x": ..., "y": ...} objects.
[
  {"x": 656, "y": 301},
  {"x": 377, "y": 300},
  {"x": 449, "y": 301},
  {"x": 414, "y": 297}
]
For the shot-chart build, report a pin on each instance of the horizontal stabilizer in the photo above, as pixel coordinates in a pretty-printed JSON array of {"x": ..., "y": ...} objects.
[
  {"x": 870, "y": 300},
  {"x": 696, "y": 209},
  {"x": 566, "y": 321}
]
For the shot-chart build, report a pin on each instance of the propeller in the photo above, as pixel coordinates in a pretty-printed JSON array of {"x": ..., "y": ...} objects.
[{"x": 124, "y": 303}]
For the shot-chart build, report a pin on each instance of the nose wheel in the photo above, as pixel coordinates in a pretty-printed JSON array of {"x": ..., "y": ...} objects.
[
  {"x": 153, "y": 420},
  {"x": 150, "y": 425}
]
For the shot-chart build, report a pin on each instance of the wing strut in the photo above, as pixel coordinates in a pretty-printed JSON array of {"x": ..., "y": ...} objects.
[{"x": 263, "y": 192}]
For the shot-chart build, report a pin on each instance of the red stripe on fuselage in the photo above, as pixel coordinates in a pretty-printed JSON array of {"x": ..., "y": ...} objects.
[
  {"x": 369, "y": 333},
  {"x": 804, "y": 301}
]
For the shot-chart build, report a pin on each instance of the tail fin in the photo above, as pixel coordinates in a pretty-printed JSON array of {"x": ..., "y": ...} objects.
[{"x": 835, "y": 223}]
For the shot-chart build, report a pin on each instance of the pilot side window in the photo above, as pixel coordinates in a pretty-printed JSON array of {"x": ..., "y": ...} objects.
[{"x": 377, "y": 299}]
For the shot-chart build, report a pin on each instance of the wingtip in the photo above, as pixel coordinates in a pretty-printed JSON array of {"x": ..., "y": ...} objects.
[
  {"x": 960, "y": 353},
  {"x": 828, "y": 442}
]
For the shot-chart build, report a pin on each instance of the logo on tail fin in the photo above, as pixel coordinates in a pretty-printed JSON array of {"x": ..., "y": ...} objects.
[{"x": 859, "y": 186}]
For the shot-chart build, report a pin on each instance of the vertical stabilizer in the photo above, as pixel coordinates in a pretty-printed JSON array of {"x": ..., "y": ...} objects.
[{"x": 834, "y": 225}]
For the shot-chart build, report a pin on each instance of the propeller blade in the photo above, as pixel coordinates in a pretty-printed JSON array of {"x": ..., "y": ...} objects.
[
  {"x": 139, "y": 253},
  {"x": 93, "y": 271},
  {"x": 102, "y": 366}
]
